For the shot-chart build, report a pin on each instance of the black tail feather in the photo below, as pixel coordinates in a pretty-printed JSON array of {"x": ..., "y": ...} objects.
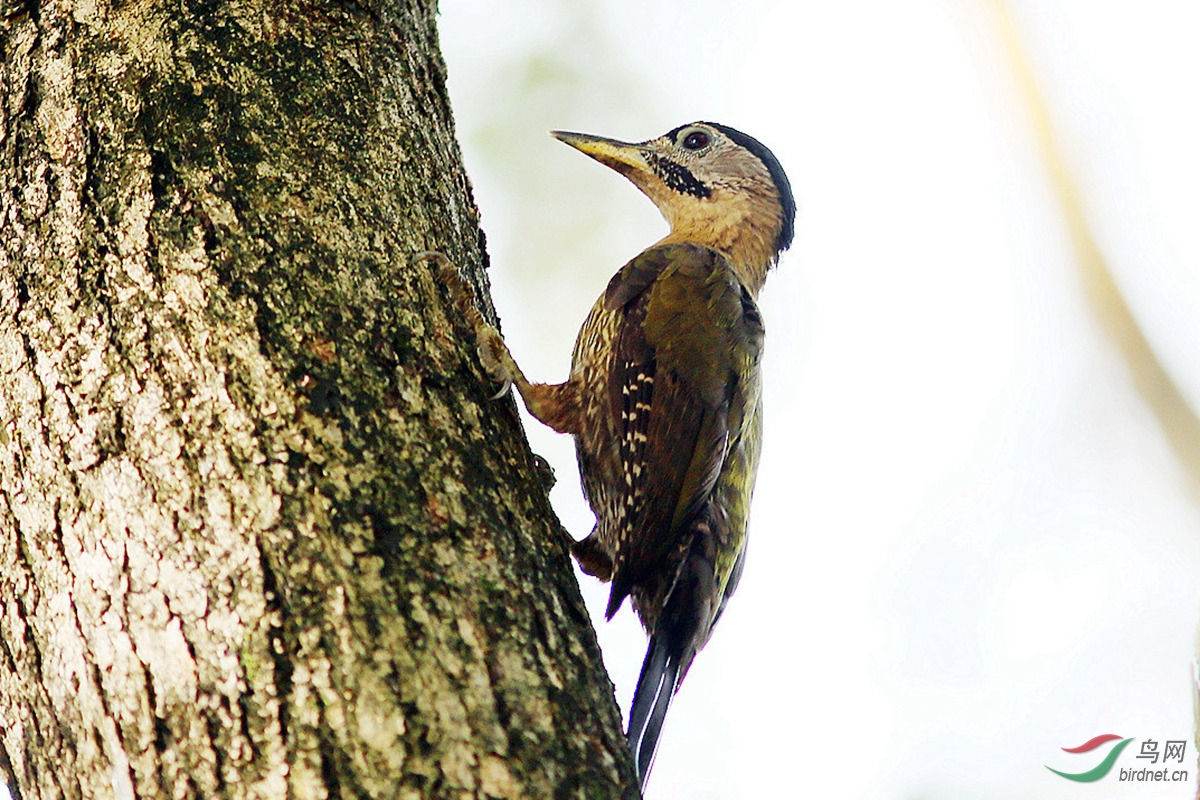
[{"x": 655, "y": 689}]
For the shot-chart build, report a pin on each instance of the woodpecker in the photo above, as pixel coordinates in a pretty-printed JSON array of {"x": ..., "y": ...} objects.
[{"x": 665, "y": 395}]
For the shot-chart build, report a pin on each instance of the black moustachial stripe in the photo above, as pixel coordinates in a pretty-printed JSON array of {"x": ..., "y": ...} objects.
[
  {"x": 786, "y": 201},
  {"x": 678, "y": 177}
]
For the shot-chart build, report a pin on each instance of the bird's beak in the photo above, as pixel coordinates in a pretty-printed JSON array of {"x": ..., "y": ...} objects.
[{"x": 627, "y": 159}]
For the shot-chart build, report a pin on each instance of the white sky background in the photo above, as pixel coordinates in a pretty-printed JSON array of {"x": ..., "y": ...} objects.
[{"x": 976, "y": 534}]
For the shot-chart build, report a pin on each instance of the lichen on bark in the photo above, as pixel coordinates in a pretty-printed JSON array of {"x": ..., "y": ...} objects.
[{"x": 262, "y": 531}]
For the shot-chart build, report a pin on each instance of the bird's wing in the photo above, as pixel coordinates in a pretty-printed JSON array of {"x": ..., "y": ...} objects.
[{"x": 687, "y": 333}]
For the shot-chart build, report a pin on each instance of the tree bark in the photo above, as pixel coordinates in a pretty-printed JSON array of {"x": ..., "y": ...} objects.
[{"x": 262, "y": 531}]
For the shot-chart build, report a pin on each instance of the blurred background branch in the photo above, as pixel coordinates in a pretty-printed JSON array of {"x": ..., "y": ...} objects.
[{"x": 1155, "y": 385}]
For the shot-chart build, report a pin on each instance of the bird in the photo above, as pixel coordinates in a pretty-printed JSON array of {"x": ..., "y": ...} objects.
[{"x": 664, "y": 396}]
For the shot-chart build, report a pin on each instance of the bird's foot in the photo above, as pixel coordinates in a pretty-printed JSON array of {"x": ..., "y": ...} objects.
[
  {"x": 593, "y": 558},
  {"x": 494, "y": 355},
  {"x": 497, "y": 361}
]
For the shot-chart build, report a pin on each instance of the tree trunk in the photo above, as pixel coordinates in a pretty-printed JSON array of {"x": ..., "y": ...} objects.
[{"x": 262, "y": 532}]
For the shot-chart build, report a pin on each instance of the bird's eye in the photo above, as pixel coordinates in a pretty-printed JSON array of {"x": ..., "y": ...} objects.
[{"x": 696, "y": 140}]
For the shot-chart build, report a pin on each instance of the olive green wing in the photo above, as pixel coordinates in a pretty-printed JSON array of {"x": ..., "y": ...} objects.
[{"x": 689, "y": 340}]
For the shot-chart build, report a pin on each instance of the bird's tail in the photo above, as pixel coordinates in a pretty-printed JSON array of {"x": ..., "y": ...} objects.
[{"x": 655, "y": 689}]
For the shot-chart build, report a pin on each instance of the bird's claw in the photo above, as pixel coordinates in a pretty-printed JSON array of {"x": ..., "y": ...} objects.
[
  {"x": 497, "y": 362},
  {"x": 494, "y": 356}
]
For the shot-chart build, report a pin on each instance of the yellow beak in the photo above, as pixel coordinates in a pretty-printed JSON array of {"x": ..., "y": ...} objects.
[{"x": 624, "y": 157}]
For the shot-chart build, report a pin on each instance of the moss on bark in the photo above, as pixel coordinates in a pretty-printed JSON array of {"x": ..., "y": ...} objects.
[{"x": 262, "y": 534}]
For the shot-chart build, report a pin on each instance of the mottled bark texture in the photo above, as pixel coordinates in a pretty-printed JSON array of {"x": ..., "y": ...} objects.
[{"x": 262, "y": 532}]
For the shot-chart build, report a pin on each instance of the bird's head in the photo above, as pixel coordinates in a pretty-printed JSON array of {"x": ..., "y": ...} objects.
[{"x": 714, "y": 185}]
